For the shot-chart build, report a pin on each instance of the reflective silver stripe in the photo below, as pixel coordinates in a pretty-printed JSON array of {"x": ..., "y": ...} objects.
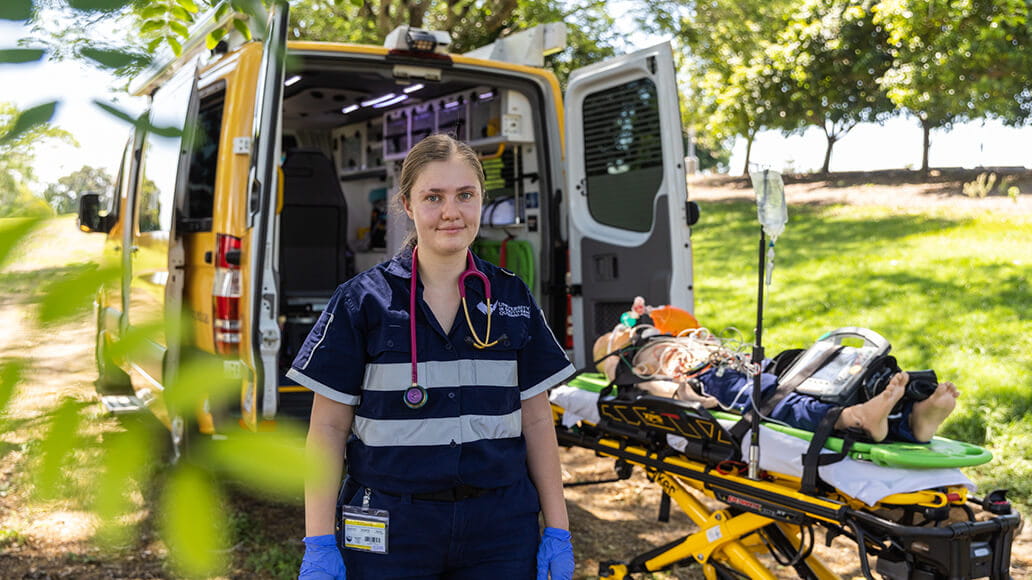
[
  {"x": 326, "y": 330},
  {"x": 317, "y": 387},
  {"x": 547, "y": 383},
  {"x": 458, "y": 373},
  {"x": 424, "y": 432}
]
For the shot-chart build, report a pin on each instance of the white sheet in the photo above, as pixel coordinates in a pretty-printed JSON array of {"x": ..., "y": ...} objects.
[{"x": 781, "y": 453}]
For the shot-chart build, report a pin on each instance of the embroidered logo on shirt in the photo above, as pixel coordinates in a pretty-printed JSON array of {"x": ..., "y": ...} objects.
[{"x": 503, "y": 309}]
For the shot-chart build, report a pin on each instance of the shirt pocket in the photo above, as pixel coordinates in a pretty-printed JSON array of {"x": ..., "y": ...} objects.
[
  {"x": 498, "y": 365},
  {"x": 388, "y": 356}
]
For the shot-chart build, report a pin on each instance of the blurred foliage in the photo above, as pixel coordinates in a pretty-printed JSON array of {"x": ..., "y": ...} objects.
[{"x": 22, "y": 133}]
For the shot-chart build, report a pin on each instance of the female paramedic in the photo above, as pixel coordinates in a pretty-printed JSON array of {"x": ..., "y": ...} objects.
[{"x": 431, "y": 370}]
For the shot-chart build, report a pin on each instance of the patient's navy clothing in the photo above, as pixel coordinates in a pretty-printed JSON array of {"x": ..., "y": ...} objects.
[
  {"x": 734, "y": 390},
  {"x": 469, "y": 432}
]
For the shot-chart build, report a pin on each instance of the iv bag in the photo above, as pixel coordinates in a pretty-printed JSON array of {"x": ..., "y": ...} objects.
[{"x": 770, "y": 201}]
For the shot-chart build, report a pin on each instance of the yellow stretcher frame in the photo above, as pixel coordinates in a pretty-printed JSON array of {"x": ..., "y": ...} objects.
[{"x": 758, "y": 512}]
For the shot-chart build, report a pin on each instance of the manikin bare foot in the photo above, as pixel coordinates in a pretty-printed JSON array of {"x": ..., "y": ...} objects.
[
  {"x": 873, "y": 415},
  {"x": 928, "y": 414}
]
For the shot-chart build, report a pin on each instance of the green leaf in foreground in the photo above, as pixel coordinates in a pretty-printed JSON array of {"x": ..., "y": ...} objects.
[
  {"x": 188, "y": 5},
  {"x": 273, "y": 463},
  {"x": 15, "y": 9},
  {"x": 67, "y": 297},
  {"x": 30, "y": 118},
  {"x": 12, "y": 232},
  {"x": 127, "y": 461},
  {"x": 10, "y": 376},
  {"x": 60, "y": 440},
  {"x": 21, "y": 55},
  {"x": 114, "y": 58},
  {"x": 199, "y": 381},
  {"x": 193, "y": 523}
]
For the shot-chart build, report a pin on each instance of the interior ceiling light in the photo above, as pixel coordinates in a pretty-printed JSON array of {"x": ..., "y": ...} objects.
[
  {"x": 378, "y": 100},
  {"x": 292, "y": 80},
  {"x": 349, "y": 109},
  {"x": 412, "y": 88},
  {"x": 390, "y": 102}
]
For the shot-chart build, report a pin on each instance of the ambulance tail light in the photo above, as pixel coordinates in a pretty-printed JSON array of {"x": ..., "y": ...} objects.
[{"x": 226, "y": 295}]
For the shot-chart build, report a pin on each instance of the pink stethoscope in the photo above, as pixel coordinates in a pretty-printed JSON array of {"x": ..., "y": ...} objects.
[{"x": 415, "y": 395}]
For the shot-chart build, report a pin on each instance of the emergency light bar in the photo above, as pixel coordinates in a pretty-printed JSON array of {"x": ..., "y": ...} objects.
[{"x": 410, "y": 39}]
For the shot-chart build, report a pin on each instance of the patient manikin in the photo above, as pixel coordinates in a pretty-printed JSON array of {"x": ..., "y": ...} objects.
[{"x": 697, "y": 366}]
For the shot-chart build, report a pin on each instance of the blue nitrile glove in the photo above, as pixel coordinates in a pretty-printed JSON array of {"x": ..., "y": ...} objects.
[
  {"x": 322, "y": 559},
  {"x": 555, "y": 555}
]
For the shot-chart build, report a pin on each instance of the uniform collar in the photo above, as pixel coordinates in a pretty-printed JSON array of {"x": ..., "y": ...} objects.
[{"x": 401, "y": 266}]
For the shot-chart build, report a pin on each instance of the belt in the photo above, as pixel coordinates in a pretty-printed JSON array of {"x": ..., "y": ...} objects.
[{"x": 457, "y": 493}]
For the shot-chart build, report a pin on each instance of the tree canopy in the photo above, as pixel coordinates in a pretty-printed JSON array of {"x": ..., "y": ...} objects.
[
  {"x": 750, "y": 65},
  {"x": 63, "y": 196}
]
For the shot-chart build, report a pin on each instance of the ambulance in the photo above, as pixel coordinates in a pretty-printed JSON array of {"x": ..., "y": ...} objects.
[{"x": 279, "y": 189}]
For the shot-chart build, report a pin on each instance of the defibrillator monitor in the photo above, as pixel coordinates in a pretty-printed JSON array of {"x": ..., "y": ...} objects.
[{"x": 837, "y": 363}]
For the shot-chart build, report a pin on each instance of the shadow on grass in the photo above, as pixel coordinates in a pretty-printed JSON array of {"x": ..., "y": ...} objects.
[
  {"x": 728, "y": 226},
  {"x": 948, "y": 180}
]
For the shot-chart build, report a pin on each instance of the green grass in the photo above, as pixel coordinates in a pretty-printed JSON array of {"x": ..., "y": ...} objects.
[{"x": 949, "y": 289}]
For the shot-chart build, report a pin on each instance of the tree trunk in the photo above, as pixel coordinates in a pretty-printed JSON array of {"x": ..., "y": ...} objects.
[
  {"x": 827, "y": 153},
  {"x": 926, "y": 145},
  {"x": 748, "y": 154}
]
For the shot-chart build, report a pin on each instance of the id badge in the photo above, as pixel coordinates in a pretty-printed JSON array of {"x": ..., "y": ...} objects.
[{"x": 365, "y": 529}]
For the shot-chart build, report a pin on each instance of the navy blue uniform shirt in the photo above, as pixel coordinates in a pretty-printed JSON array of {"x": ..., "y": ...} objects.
[{"x": 469, "y": 431}]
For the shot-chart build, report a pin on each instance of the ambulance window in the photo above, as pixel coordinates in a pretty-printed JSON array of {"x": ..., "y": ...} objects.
[
  {"x": 623, "y": 154},
  {"x": 161, "y": 155},
  {"x": 204, "y": 151}
]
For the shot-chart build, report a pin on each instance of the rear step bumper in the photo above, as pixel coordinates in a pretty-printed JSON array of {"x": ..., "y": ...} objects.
[{"x": 122, "y": 404}]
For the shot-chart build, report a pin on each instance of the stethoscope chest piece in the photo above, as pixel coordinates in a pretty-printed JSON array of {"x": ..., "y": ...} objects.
[{"x": 415, "y": 397}]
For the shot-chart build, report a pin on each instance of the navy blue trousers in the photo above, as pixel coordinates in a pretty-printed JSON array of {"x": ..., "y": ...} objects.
[{"x": 493, "y": 536}]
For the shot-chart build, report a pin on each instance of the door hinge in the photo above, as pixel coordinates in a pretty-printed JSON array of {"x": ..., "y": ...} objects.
[
  {"x": 242, "y": 145},
  {"x": 575, "y": 290}
]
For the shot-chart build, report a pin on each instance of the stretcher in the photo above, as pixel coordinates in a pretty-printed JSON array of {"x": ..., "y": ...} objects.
[{"x": 919, "y": 520}]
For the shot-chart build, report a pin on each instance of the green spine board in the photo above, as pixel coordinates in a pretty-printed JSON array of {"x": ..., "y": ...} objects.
[{"x": 940, "y": 452}]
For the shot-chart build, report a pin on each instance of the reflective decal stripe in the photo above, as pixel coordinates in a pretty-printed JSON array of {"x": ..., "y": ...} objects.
[
  {"x": 548, "y": 383},
  {"x": 459, "y": 373},
  {"x": 317, "y": 387},
  {"x": 325, "y": 331},
  {"x": 425, "y": 432}
]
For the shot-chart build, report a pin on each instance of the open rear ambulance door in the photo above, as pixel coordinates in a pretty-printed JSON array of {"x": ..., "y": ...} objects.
[
  {"x": 629, "y": 216},
  {"x": 260, "y": 394}
]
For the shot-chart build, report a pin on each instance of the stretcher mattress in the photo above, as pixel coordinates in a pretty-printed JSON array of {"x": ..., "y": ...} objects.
[{"x": 781, "y": 453}]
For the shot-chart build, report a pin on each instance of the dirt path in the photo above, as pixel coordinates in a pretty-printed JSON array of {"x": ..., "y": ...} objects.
[{"x": 53, "y": 539}]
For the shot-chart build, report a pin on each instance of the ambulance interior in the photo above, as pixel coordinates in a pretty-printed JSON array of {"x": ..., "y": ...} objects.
[{"x": 347, "y": 127}]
